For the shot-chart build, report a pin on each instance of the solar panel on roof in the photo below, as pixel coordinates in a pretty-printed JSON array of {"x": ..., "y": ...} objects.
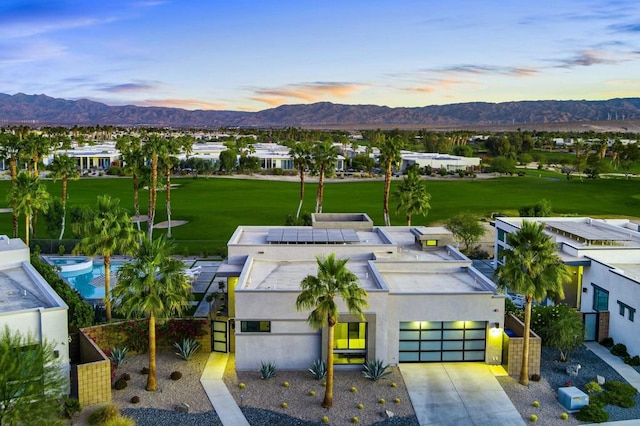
[
  {"x": 350, "y": 236},
  {"x": 588, "y": 232},
  {"x": 320, "y": 236}
]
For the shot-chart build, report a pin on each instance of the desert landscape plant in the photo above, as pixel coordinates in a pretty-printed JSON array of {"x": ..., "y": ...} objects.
[
  {"x": 375, "y": 369},
  {"x": 267, "y": 370},
  {"x": 187, "y": 348},
  {"x": 318, "y": 369}
]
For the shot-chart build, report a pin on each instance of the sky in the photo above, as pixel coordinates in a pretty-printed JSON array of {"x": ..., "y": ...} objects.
[{"x": 253, "y": 55}]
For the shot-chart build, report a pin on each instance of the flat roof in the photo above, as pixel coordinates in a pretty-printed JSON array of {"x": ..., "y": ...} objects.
[
  {"x": 19, "y": 292},
  {"x": 447, "y": 281},
  {"x": 286, "y": 275},
  {"x": 259, "y": 235},
  {"x": 311, "y": 236},
  {"x": 588, "y": 232}
]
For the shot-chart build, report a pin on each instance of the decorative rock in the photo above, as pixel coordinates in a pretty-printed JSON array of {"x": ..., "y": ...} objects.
[
  {"x": 600, "y": 380},
  {"x": 388, "y": 414},
  {"x": 183, "y": 407}
]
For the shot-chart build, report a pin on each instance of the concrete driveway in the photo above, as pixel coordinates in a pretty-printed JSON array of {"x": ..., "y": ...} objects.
[{"x": 458, "y": 394}]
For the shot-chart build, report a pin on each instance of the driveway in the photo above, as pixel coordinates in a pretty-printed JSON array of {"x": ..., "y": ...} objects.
[{"x": 458, "y": 394}]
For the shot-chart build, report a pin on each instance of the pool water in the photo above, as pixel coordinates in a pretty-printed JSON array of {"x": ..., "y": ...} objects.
[{"x": 81, "y": 280}]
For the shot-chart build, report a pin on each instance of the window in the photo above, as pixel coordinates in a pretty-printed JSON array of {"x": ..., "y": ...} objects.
[
  {"x": 501, "y": 234},
  {"x": 626, "y": 308},
  {"x": 350, "y": 343},
  {"x": 600, "y": 299},
  {"x": 255, "y": 326},
  {"x": 432, "y": 243}
]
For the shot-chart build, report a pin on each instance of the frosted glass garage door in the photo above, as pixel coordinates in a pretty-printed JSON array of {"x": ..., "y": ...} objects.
[{"x": 442, "y": 341}]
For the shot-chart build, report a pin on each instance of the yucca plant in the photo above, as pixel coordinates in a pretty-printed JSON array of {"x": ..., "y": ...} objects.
[
  {"x": 187, "y": 348},
  {"x": 117, "y": 355},
  {"x": 375, "y": 369},
  {"x": 318, "y": 369},
  {"x": 268, "y": 369}
]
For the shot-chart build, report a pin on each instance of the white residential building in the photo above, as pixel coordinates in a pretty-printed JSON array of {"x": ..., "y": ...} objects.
[
  {"x": 603, "y": 256},
  {"x": 426, "y": 301},
  {"x": 28, "y": 304}
]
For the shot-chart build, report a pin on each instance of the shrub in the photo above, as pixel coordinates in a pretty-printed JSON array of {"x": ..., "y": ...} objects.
[
  {"x": 593, "y": 387},
  {"x": 267, "y": 370},
  {"x": 619, "y": 350},
  {"x": 535, "y": 377},
  {"x": 187, "y": 348},
  {"x": 318, "y": 369},
  {"x": 607, "y": 342},
  {"x": 533, "y": 418},
  {"x": 126, "y": 376},
  {"x": 135, "y": 399},
  {"x": 176, "y": 375},
  {"x": 103, "y": 414},
  {"x": 375, "y": 369},
  {"x": 120, "y": 421},
  {"x": 633, "y": 361},
  {"x": 117, "y": 355},
  {"x": 564, "y": 416},
  {"x": 70, "y": 407},
  {"x": 397, "y": 400},
  {"x": 120, "y": 384},
  {"x": 145, "y": 370},
  {"x": 592, "y": 413},
  {"x": 618, "y": 393}
]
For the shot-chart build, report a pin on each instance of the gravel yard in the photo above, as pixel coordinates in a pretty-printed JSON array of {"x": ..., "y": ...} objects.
[{"x": 261, "y": 400}]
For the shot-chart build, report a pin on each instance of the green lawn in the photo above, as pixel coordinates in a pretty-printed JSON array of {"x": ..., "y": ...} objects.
[{"x": 215, "y": 207}]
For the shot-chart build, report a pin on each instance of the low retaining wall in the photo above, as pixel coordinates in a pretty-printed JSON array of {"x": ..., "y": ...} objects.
[
  {"x": 91, "y": 377},
  {"x": 513, "y": 348}
]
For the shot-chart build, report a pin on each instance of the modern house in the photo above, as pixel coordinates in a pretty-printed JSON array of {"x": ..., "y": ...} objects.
[
  {"x": 439, "y": 161},
  {"x": 426, "y": 301},
  {"x": 28, "y": 304},
  {"x": 604, "y": 258}
]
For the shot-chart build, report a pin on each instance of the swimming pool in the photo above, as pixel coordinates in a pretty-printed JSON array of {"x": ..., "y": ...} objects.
[{"x": 83, "y": 279}]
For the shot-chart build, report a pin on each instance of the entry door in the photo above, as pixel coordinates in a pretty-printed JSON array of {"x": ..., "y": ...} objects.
[
  {"x": 591, "y": 326},
  {"x": 219, "y": 336}
]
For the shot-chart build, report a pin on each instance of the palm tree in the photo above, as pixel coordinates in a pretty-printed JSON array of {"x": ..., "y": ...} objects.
[
  {"x": 108, "y": 231},
  {"x": 10, "y": 149},
  {"x": 153, "y": 285},
  {"x": 532, "y": 268},
  {"x": 172, "y": 148},
  {"x": 301, "y": 155},
  {"x": 131, "y": 151},
  {"x": 65, "y": 168},
  {"x": 319, "y": 293},
  {"x": 389, "y": 157},
  {"x": 154, "y": 147},
  {"x": 324, "y": 157},
  {"x": 412, "y": 196},
  {"x": 28, "y": 196}
]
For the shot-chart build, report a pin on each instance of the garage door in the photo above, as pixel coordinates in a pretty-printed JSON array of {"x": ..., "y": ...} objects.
[{"x": 442, "y": 341}]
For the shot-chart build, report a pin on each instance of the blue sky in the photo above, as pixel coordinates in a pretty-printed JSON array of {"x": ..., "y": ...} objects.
[{"x": 254, "y": 55}]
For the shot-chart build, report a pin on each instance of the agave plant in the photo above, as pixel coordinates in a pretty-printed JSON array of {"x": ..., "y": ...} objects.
[
  {"x": 318, "y": 369},
  {"x": 267, "y": 369},
  {"x": 187, "y": 348},
  {"x": 117, "y": 355},
  {"x": 375, "y": 369}
]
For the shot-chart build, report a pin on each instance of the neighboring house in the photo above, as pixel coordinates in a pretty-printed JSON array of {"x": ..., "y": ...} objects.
[
  {"x": 91, "y": 157},
  {"x": 439, "y": 161},
  {"x": 28, "y": 304},
  {"x": 426, "y": 301},
  {"x": 604, "y": 258}
]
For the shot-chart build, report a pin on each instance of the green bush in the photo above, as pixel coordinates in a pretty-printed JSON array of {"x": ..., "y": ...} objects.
[
  {"x": 120, "y": 384},
  {"x": 592, "y": 413},
  {"x": 70, "y": 407},
  {"x": 176, "y": 375},
  {"x": 103, "y": 414},
  {"x": 607, "y": 342},
  {"x": 632, "y": 361},
  {"x": 619, "y": 350}
]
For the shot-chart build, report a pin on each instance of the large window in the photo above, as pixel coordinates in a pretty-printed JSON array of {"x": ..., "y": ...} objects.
[
  {"x": 255, "y": 326},
  {"x": 600, "y": 299},
  {"x": 350, "y": 343}
]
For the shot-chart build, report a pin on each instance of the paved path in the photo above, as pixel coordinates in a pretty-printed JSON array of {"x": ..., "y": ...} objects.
[
  {"x": 459, "y": 394},
  {"x": 222, "y": 401}
]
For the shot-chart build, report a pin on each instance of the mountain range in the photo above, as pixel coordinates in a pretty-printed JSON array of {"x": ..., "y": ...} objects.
[{"x": 44, "y": 110}]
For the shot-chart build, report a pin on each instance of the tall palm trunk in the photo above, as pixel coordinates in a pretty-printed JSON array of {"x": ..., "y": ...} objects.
[
  {"x": 136, "y": 200},
  {"x": 152, "y": 384},
  {"x": 27, "y": 225},
  {"x": 64, "y": 207},
  {"x": 301, "y": 170},
  {"x": 524, "y": 371},
  {"x": 320, "y": 191},
  {"x": 328, "y": 393},
  {"x": 34, "y": 220},
  {"x": 152, "y": 194},
  {"x": 387, "y": 188},
  {"x": 168, "y": 177},
  {"x": 14, "y": 215},
  {"x": 107, "y": 287},
  {"x": 408, "y": 219}
]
